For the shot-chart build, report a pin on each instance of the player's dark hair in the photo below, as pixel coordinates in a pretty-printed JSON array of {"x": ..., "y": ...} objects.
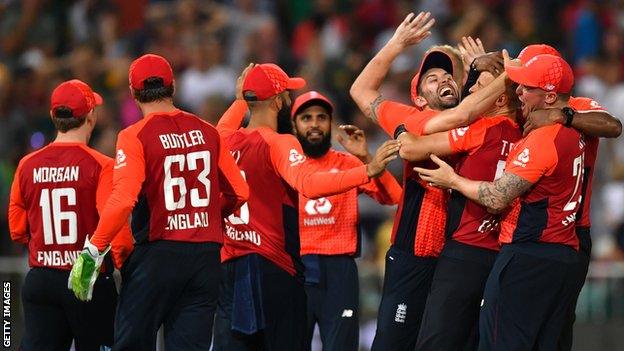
[
  {"x": 64, "y": 121},
  {"x": 154, "y": 89},
  {"x": 512, "y": 97}
]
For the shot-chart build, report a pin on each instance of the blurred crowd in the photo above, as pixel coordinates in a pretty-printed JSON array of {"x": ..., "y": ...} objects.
[{"x": 328, "y": 42}]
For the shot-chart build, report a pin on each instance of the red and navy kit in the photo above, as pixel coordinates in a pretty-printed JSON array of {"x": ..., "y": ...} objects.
[
  {"x": 485, "y": 145},
  {"x": 183, "y": 177},
  {"x": 276, "y": 169},
  {"x": 552, "y": 158},
  {"x": 582, "y": 104},
  {"x": 421, "y": 216},
  {"x": 329, "y": 225},
  {"x": 56, "y": 199}
]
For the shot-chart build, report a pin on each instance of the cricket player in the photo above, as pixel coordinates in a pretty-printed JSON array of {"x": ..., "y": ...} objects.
[
  {"x": 589, "y": 118},
  {"x": 418, "y": 233},
  {"x": 57, "y": 196},
  {"x": 262, "y": 303},
  {"x": 177, "y": 177},
  {"x": 529, "y": 290},
  {"x": 328, "y": 226},
  {"x": 451, "y": 314}
]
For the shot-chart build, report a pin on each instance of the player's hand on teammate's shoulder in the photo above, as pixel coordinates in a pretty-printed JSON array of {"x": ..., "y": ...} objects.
[
  {"x": 241, "y": 79},
  {"x": 541, "y": 118},
  {"x": 413, "y": 29},
  {"x": 387, "y": 152},
  {"x": 354, "y": 141}
]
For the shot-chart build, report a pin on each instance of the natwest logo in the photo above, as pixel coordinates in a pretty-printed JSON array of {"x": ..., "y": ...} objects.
[
  {"x": 522, "y": 159},
  {"x": 318, "y": 206}
]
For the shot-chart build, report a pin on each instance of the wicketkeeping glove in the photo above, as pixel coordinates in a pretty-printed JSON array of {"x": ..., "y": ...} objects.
[{"x": 85, "y": 271}]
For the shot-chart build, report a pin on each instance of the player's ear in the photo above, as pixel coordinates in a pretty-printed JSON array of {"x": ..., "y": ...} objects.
[
  {"x": 420, "y": 102},
  {"x": 550, "y": 98},
  {"x": 502, "y": 100}
]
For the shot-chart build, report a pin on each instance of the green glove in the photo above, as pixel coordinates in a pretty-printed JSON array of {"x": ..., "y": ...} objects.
[{"x": 85, "y": 271}]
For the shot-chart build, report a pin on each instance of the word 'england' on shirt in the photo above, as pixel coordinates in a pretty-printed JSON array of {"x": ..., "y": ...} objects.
[
  {"x": 178, "y": 141},
  {"x": 55, "y": 174}
]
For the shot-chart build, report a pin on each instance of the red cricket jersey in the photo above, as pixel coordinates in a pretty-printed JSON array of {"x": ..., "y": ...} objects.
[
  {"x": 276, "y": 169},
  {"x": 56, "y": 197},
  {"x": 329, "y": 225},
  {"x": 421, "y": 216},
  {"x": 551, "y": 158},
  {"x": 484, "y": 146},
  {"x": 183, "y": 177},
  {"x": 582, "y": 104}
]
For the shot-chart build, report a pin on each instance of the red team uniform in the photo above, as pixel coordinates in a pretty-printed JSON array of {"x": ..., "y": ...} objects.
[
  {"x": 418, "y": 231},
  {"x": 178, "y": 179},
  {"x": 57, "y": 196},
  {"x": 471, "y": 238}
]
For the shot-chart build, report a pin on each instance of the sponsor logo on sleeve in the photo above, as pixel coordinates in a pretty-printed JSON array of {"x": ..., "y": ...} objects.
[
  {"x": 120, "y": 159},
  {"x": 523, "y": 158},
  {"x": 295, "y": 157}
]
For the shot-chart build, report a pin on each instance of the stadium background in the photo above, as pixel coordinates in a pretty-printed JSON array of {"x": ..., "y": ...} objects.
[{"x": 328, "y": 42}]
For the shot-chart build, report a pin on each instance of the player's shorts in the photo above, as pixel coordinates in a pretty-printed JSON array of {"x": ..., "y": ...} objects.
[
  {"x": 451, "y": 317},
  {"x": 54, "y": 316},
  {"x": 333, "y": 302},
  {"x": 279, "y": 303},
  {"x": 584, "y": 256},
  {"x": 406, "y": 284},
  {"x": 527, "y": 297},
  {"x": 173, "y": 284}
]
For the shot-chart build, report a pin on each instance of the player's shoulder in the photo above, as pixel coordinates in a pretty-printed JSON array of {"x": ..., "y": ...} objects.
[
  {"x": 102, "y": 159},
  {"x": 31, "y": 156},
  {"x": 390, "y": 106},
  {"x": 584, "y": 104}
]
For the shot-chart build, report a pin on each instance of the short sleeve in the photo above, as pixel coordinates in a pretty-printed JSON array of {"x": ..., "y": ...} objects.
[
  {"x": 533, "y": 158},
  {"x": 583, "y": 104},
  {"x": 467, "y": 139}
]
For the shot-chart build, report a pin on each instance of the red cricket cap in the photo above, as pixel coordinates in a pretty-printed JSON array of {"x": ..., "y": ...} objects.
[
  {"x": 76, "y": 96},
  {"x": 267, "y": 79},
  {"x": 432, "y": 59},
  {"x": 308, "y": 99},
  {"x": 547, "y": 72},
  {"x": 148, "y": 66},
  {"x": 533, "y": 50}
]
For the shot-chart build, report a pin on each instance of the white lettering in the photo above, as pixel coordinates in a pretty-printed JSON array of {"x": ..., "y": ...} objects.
[
  {"x": 56, "y": 174},
  {"x": 57, "y": 258},
  {"x": 246, "y": 235},
  {"x": 319, "y": 221},
  {"x": 184, "y": 140},
  {"x": 183, "y": 221}
]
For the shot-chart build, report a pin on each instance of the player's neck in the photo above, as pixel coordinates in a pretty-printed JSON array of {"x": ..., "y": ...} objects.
[
  {"x": 502, "y": 111},
  {"x": 163, "y": 106},
  {"x": 262, "y": 119},
  {"x": 72, "y": 136}
]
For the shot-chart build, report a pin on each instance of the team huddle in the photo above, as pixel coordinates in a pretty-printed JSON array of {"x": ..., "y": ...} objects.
[{"x": 236, "y": 237}]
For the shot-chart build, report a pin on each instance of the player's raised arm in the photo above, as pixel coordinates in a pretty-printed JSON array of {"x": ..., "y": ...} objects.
[
  {"x": 233, "y": 117},
  {"x": 234, "y": 188},
  {"x": 289, "y": 161},
  {"x": 365, "y": 88},
  {"x": 18, "y": 217}
]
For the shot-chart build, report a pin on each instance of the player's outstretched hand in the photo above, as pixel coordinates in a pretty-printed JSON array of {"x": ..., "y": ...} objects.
[
  {"x": 541, "y": 118},
  {"x": 442, "y": 177},
  {"x": 413, "y": 29},
  {"x": 470, "y": 50},
  {"x": 387, "y": 152},
  {"x": 241, "y": 79},
  {"x": 85, "y": 271},
  {"x": 354, "y": 142}
]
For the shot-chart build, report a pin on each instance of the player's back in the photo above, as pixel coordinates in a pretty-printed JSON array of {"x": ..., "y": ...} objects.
[
  {"x": 179, "y": 198},
  {"x": 547, "y": 211},
  {"x": 58, "y": 185},
  {"x": 485, "y": 145},
  {"x": 268, "y": 223}
]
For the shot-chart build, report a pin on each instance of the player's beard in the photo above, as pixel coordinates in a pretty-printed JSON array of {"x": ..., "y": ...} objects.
[
  {"x": 439, "y": 104},
  {"x": 315, "y": 149}
]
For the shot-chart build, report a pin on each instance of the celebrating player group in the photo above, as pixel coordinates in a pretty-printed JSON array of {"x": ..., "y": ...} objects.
[{"x": 235, "y": 237}]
